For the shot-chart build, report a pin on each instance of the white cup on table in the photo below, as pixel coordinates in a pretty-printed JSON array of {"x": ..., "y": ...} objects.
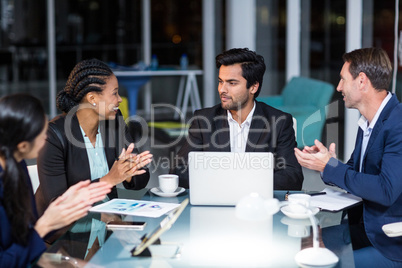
[
  {"x": 168, "y": 183},
  {"x": 298, "y": 203}
]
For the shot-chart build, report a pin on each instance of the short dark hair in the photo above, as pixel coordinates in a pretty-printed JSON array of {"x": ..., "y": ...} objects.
[
  {"x": 252, "y": 65},
  {"x": 374, "y": 62},
  {"x": 87, "y": 76}
]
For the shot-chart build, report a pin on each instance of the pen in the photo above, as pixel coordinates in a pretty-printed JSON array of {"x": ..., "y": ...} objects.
[{"x": 319, "y": 193}]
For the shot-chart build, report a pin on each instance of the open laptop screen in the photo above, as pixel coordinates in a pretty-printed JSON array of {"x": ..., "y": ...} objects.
[{"x": 222, "y": 178}]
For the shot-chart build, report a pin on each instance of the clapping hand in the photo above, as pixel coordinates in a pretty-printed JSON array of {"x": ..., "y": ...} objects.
[
  {"x": 127, "y": 166},
  {"x": 71, "y": 206},
  {"x": 315, "y": 157}
]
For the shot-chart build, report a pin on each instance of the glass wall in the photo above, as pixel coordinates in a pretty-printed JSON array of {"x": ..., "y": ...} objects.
[
  {"x": 271, "y": 43},
  {"x": 378, "y": 29},
  {"x": 105, "y": 29},
  {"x": 323, "y": 31},
  {"x": 23, "y": 59},
  {"x": 112, "y": 31},
  {"x": 176, "y": 29}
]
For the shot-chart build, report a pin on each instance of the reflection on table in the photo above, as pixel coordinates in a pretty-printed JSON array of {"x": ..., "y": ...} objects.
[{"x": 204, "y": 236}]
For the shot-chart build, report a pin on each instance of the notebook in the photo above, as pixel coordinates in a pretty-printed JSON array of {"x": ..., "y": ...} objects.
[{"x": 223, "y": 178}]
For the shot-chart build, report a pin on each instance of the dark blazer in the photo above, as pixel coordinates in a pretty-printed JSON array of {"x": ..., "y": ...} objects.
[
  {"x": 61, "y": 166},
  {"x": 271, "y": 130},
  {"x": 11, "y": 253},
  {"x": 380, "y": 182}
]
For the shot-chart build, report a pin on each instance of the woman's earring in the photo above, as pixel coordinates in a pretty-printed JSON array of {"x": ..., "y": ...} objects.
[{"x": 94, "y": 104}]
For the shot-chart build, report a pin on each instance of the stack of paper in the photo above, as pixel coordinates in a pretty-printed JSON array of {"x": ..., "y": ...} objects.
[
  {"x": 135, "y": 207},
  {"x": 334, "y": 200}
]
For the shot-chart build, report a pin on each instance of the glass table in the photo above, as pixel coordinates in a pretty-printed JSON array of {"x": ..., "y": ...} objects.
[{"x": 203, "y": 236}]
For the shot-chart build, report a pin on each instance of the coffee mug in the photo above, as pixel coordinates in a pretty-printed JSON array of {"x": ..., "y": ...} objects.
[
  {"x": 168, "y": 183},
  {"x": 299, "y": 202}
]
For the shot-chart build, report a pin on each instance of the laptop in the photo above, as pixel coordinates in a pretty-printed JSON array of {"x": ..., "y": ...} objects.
[{"x": 223, "y": 178}]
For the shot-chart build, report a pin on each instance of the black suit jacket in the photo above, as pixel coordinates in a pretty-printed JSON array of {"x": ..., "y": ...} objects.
[
  {"x": 271, "y": 130},
  {"x": 63, "y": 165}
]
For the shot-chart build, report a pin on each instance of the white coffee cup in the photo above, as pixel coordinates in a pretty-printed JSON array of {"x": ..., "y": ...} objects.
[
  {"x": 299, "y": 202},
  {"x": 168, "y": 183}
]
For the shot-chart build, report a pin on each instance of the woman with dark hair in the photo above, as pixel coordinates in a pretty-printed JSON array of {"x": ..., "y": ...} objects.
[
  {"x": 23, "y": 126},
  {"x": 89, "y": 140}
]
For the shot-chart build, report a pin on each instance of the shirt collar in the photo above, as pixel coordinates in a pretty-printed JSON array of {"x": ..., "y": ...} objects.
[
  {"x": 248, "y": 119},
  {"x": 363, "y": 122},
  {"x": 88, "y": 142}
]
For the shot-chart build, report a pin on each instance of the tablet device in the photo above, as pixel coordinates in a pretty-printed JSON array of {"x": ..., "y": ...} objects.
[{"x": 165, "y": 225}]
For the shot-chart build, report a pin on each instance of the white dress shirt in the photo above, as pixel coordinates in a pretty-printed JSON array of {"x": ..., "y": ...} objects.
[
  {"x": 367, "y": 127},
  {"x": 239, "y": 133}
]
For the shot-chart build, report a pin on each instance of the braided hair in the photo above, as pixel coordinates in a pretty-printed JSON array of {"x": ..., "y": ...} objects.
[
  {"x": 87, "y": 76},
  {"x": 22, "y": 118}
]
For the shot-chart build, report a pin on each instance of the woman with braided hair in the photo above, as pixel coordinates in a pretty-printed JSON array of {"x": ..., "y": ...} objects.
[
  {"x": 90, "y": 140},
  {"x": 23, "y": 128}
]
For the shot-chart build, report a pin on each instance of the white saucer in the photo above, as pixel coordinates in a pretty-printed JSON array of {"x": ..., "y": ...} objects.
[
  {"x": 294, "y": 215},
  {"x": 299, "y": 222},
  {"x": 158, "y": 191},
  {"x": 393, "y": 229}
]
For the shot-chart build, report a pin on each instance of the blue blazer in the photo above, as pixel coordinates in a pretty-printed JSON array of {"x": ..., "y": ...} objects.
[
  {"x": 11, "y": 253},
  {"x": 380, "y": 182}
]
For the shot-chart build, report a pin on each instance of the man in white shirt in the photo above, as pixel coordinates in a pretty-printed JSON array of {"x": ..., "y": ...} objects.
[
  {"x": 374, "y": 171},
  {"x": 242, "y": 124}
]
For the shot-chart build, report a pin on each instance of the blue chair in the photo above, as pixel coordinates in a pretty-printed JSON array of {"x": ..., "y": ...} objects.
[{"x": 306, "y": 100}]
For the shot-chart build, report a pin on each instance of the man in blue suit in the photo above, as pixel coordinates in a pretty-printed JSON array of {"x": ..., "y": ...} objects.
[{"x": 374, "y": 171}]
